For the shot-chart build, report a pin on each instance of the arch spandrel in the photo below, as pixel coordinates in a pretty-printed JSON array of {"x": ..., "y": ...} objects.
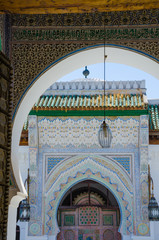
[
  {"x": 52, "y": 37},
  {"x": 30, "y": 74},
  {"x": 84, "y": 162},
  {"x": 93, "y": 169}
]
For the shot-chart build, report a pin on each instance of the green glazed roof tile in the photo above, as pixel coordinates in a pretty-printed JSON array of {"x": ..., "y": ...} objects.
[
  {"x": 69, "y": 101},
  {"x": 132, "y": 101},
  {"x": 60, "y": 104},
  {"x": 41, "y": 101},
  {"x": 49, "y": 102},
  {"x": 108, "y": 100},
  {"x": 135, "y": 101},
  {"x": 95, "y": 101},
  {"x": 89, "y": 102},
  {"x": 77, "y": 102},
  {"x": 36, "y": 104},
  {"x": 81, "y": 101},
  {"x": 101, "y": 101},
  {"x": 154, "y": 117},
  {"x": 120, "y": 101},
  {"x": 92, "y": 101},
  {"x": 112, "y": 97},
  {"x": 140, "y": 103},
  {"x": 116, "y": 101},
  {"x": 53, "y": 102},
  {"x": 73, "y": 101},
  {"x": 85, "y": 101},
  {"x": 124, "y": 101},
  {"x": 57, "y": 102},
  {"x": 45, "y": 101},
  {"x": 128, "y": 101},
  {"x": 64, "y": 102}
]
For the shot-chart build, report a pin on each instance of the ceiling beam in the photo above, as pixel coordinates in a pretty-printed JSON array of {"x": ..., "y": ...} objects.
[{"x": 71, "y": 6}]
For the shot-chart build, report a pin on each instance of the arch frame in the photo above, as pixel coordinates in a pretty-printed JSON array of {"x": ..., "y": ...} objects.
[
  {"x": 117, "y": 53},
  {"x": 98, "y": 169}
]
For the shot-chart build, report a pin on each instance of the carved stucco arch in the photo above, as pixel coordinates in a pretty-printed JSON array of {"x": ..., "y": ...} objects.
[
  {"x": 63, "y": 66},
  {"x": 103, "y": 170}
]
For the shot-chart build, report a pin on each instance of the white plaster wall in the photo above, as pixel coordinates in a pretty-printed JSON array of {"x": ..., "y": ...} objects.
[
  {"x": 154, "y": 168},
  {"x": 23, "y": 154}
]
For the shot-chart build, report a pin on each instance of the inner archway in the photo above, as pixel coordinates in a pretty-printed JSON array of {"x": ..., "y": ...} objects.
[{"x": 88, "y": 211}]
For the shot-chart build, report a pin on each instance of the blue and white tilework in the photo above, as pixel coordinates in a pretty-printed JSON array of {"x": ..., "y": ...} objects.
[
  {"x": 125, "y": 162},
  {"x": 52, "y": 162},
  {"x": 143, "y": 148},
  {"x": 76, "y": 132},
  {"x": 67, "y": 151}
]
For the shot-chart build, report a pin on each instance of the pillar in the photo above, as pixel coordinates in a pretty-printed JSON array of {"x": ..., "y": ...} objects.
[
  {"x": 144, "y": 196},
  {"x": 12, "y": 215}
]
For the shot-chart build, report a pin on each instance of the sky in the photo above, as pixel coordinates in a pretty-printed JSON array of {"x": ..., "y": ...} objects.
[{"x": 117, "y": 72}]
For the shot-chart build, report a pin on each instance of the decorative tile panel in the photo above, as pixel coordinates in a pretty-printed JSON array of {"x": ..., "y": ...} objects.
[
  {"x": 88, "y": 216},
  {"x": 125, "y": 162},
  {"x": 144, "y": 198},
  {"x": 83, "y": 132},
  {"x": 108, "y": 220},
  {"x": 69, "y": 220},
  {"x": 52, "y": 161}
]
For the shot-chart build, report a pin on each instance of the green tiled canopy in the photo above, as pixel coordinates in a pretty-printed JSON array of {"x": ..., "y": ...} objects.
[
  {"x": 154, "y": 117},
  {"x": 95, "y": 102}
]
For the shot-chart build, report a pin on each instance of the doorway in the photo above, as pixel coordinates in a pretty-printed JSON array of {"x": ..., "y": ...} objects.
[{"x": 88, "y": 211}]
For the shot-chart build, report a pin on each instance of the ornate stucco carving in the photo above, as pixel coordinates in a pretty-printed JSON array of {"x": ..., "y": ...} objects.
[{"x": 39, "y": 40}]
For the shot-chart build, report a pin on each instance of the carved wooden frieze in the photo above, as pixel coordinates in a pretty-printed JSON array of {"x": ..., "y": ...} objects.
[{"x": 39, "y": 40}]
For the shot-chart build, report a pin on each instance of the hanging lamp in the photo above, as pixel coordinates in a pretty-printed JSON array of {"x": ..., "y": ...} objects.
[
  {"x": 104, "y": 133},
  {"x": 153, "y": 208},
  {"x": 24, "y": 207}
]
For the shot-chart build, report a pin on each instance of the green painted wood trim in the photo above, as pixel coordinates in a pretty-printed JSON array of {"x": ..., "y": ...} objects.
[{"x": 89, "y": 113}]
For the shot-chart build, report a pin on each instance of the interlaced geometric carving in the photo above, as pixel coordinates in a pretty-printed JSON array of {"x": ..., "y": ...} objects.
[
  {"x": 39, "y": 40},
  {"x": 141, "y": 17},
  {"x": 30, "y": 59}
]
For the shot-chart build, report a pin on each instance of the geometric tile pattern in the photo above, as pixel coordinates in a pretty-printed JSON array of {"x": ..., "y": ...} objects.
[
  {"x": 124, "y": 161},
  {"x": 88, "y": 216},
  {"x": 69, "y": 220},
  {"x": 52, "y": 161},
  {"x": 66, "y": 132},
  {"x": 108, "y": 219}
]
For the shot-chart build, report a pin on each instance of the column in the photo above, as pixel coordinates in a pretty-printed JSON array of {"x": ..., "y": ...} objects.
[
  {"x": 143, "y": 152},
  {"x": 12, "y": 215},
  {"x": 35, "y": 223}
]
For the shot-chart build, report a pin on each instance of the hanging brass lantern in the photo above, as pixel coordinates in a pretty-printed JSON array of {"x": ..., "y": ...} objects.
[{"x": 104, "y": 133}]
